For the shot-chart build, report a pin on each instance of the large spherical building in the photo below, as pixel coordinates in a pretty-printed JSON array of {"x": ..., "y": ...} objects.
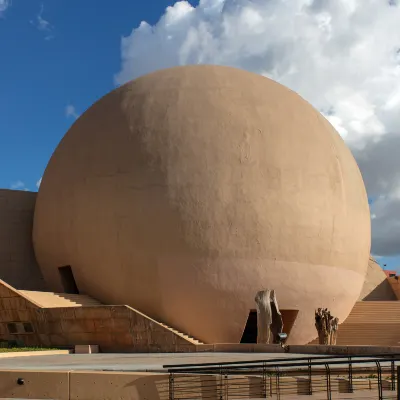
[{"x": 188, "y": 190}]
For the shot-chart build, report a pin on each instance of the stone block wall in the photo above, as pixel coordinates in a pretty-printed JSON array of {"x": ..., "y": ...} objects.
[
  {"x": 16, "y": 323},
  {"x": 18, "y": 265},
  {"x": 113, "y": 328}
]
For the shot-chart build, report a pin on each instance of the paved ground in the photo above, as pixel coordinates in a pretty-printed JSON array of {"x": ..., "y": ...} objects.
[{"x": 128, "y": 362}]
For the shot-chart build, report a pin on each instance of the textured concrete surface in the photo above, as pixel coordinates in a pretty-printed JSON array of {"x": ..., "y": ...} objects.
[
  {"x": 377, "y": 285},
  {"x": 395, "y": 284},
  {"x": 78, "y": 321},
  {"x": 18, "y": 265},
  {"x": 96, "y": 385},
  {"x": 129, "y": 362},
  {"x": 44, "y": 353},
  {"x": 185, "y": 192}
]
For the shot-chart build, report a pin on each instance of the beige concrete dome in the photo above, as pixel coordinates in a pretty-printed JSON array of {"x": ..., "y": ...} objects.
[{"x": 188, "y": 190}]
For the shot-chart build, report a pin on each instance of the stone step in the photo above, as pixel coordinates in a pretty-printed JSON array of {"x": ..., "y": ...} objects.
[
  {"x": 59, "y": 300},
  {"x": 190, "y": 338},
  {"x": 371, "y": 323}
]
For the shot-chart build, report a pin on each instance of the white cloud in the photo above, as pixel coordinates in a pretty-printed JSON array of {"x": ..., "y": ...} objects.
[
  {"x": 341, "y": 55},
  {"x": 38, "y": 183},
  {"x": 19, "y": 185},
  {"x": 42, "y": 24},
  {"x": 380, "y": 166},
  {"x": 4, "y": 4},
  {"x": 70, "y": 111}
]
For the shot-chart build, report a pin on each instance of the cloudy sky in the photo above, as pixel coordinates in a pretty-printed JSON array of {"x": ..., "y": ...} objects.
[{"x": 343, "y": 56}]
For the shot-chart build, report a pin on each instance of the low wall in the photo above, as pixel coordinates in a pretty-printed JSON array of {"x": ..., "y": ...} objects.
[
  {"x": 64, "y": 385},
  {"x": 13, "y": 354},
  {"x": 298, "y": 349},
  {"x": 113, "y": 328}
]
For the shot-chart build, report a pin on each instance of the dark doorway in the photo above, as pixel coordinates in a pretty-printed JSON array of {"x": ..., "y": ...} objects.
[
  {"x": 250, "y": 330},
  {"x": 288, "y": 318},
  {"x": 68, "y": 280}
]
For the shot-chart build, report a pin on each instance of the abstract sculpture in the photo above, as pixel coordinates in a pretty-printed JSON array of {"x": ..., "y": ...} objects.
[
  {"x": 334, "y": 329},
  {"x": 264, "y": 315},
  {"x": 277, "y": 321},
  {"x": 269, "y": 318},
  {"x": 327, "y": 326}
]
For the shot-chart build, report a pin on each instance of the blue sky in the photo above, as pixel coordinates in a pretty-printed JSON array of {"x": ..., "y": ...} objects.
[
  {"x": 44, "y": 67},
  {"x": 58, "y": 57}
]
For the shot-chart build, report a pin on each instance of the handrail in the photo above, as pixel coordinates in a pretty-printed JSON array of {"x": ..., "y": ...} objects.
[
  {"x": 257, "y": 378},
  {"x": 287, "y": 363},
  {"x": 174, "y": 367}
]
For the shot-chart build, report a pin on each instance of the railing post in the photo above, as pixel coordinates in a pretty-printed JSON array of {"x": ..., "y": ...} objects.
[
  {"x": 226, "y": 387},
  {"x": 350, "y": 377},
  {"x": 379, "y": 370},
  {"x": 328, "y": 382},
  {"x": 171, "y": 386},
  {"x": 398, "y": 380},
  {"x": 393, "y": 373},
  {"x": 278, "y": 388},
  {"x": 309, "y": 378},
  {"x": 264, "y": 381},
  {"x": 221, "y": 387}
]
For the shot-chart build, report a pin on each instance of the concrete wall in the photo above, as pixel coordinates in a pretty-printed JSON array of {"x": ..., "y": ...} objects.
[
  {"x": 298, "y": 349},
  {"x": 376, "y": 286},
  {"x": 83, "y": 385},
  {"x": 16, "y": 309},
  {"x": 113, "y": 328},
  {"x": 395, "y": 285},
  {"x": 18, "y": 265},
  {"x": 65, "y": 385}
]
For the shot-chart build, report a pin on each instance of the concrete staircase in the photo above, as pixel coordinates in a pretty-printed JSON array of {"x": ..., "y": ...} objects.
[
  {"x": 182, "y": 335},
  {"x": 62, "y": 319},
  {"x": 65, "y": 300},
  {"x": 59, "y": 300},
  {"x": 372, "y": 323}
]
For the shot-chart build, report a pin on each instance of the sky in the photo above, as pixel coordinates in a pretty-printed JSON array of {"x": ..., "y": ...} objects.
[{"x": 58, "y": 57}]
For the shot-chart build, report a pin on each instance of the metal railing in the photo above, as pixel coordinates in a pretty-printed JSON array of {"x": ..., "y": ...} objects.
[{"x": 373, "y": 377}]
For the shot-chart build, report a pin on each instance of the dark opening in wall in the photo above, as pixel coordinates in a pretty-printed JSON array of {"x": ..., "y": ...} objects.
[
  {"x": 28, "y": 328},
  {"x": 19, "y": 328},
  {"x": 12, "y": 328},
  {"x": 68, "y": 280},
  {"x": 251, "y": 328}
]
